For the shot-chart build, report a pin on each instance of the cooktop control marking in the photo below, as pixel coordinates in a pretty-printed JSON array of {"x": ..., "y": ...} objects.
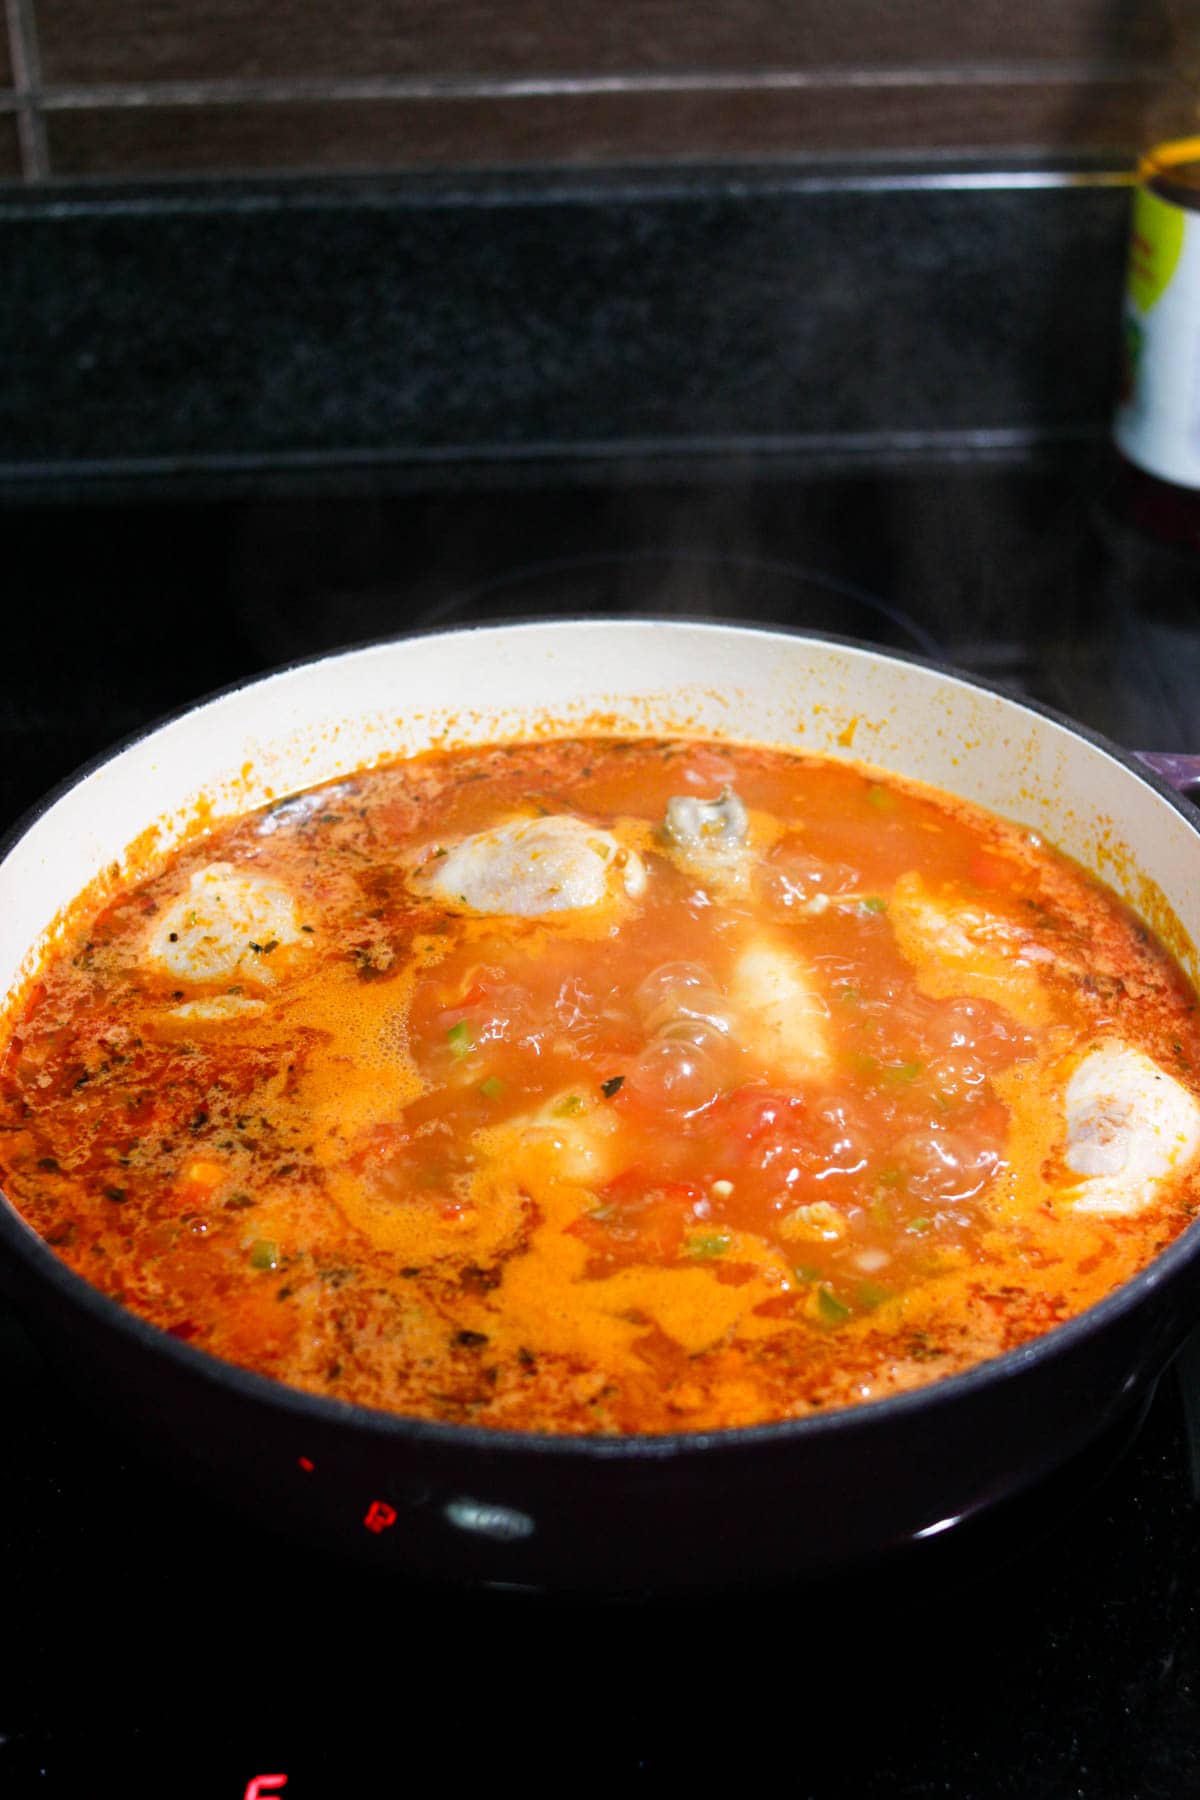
[{"x": 379, "y": 1516}]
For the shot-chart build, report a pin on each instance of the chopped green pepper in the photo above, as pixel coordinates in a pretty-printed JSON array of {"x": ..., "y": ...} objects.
[
  {"x": 710, "y": 1243},
  {"x": 903, "y": 1071},
  {"x": 460, "y": 1039},
  {"x": 830, "y": 1308}
]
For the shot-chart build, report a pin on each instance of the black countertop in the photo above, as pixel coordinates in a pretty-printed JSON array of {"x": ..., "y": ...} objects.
[
  {"x": 255, "y": 332},
  {"x": 154, "y": 1646}
]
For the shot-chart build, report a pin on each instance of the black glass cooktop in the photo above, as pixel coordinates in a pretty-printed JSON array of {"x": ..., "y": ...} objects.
[{"x": 154, "y": 1646}]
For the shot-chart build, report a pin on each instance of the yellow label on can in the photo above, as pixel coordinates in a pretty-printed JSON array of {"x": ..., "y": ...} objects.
[{"x": 1155, "y": 245}]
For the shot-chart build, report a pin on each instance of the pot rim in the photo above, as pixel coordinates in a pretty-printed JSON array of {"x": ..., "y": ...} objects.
[{"x": 19, "y": 1238}]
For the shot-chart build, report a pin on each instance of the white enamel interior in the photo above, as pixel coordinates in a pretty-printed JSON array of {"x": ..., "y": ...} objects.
[{"x": 324, "y": 719}]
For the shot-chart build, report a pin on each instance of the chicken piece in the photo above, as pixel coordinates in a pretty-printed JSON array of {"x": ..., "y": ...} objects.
[
  {"x": 959, "y": 947},
  {"x": 570, "y": 1138},
  {"x": 529, "y": 867},
  {"x": 1129, "y": 1125},
  {"x": 710, "y": 839},
  {"x": 227, "y": 923},
  {"x": 780, "y": 1018},
  {"x": 217, "y": 1010}
]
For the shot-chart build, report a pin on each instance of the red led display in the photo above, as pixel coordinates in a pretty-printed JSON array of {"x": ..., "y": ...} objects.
[
  {"x": 306, "y": 1463},
  {"x": 260, "y": 1785},
  {"x": 379, "y": 1516}
]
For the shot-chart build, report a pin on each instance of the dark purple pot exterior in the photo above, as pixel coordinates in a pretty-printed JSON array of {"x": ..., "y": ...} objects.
[
  {"x": 808, "y": 1499},
  {"x": 813, "y": 1498}
]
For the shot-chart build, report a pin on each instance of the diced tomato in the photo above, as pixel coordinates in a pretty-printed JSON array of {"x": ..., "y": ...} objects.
[
  {"x": 990, "y": 871},
  {"x": 477, "y": 984},
  {"x": 640, "y": 1218},
  {"x": 379, "y": 1144},
  {"x": 386, "y": 1159},
  {"x": 760, "y": 1139},
  {"x": 750, "y": 1113}
]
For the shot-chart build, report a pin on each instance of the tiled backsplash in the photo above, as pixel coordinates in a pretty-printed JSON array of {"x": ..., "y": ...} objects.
[
  {"x": 116, "y": 87},
  {"x": 175, "y": 40},
  {"x": 10, "y": 150}
]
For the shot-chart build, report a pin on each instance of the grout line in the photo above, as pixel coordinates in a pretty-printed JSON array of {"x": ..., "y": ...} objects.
[
  {"x": 26, "y": 71},
  {"x": 73, "y": 97}
]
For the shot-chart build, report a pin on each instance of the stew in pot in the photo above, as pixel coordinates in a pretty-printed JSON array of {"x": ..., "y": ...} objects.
[{"x": 606, "y": 1086}]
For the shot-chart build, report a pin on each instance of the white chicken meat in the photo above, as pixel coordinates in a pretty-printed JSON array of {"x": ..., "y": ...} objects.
[
  {"x": 1129, "y": 1126},
  {"x": 710, "y": 839},
  {"x": 530, "y": 867},
  {"x": 780, "y": 1016},
  {"x": 960, "y": 947},
  {"x": 227, "y": 923}
]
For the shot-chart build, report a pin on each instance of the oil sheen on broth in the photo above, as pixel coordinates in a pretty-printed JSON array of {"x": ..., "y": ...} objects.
[{"x": 606, "y": 1086}]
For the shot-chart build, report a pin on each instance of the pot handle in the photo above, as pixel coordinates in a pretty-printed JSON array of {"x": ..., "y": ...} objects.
[{"x": 1178, "y": 771}]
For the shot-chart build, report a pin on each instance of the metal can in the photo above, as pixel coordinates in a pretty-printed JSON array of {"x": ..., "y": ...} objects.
[{"x": 1157, "y": 424}]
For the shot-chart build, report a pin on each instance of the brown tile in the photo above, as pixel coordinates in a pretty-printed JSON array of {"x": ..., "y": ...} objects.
[
  {"x": 87, "y": 41},
  {"x": 10, "y": 149},
  {"x": 591, "y": 129}
]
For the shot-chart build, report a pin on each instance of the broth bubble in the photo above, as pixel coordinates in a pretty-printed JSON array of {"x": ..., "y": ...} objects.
[
  {"x": 680, "y": 990},
  {"x": 674, "y": 1076},
  {"x": 944, "y": 1166}
]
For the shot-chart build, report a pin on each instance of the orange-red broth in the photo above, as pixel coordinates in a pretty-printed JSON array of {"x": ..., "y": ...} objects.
[{"x": 348, "y": 1191}]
